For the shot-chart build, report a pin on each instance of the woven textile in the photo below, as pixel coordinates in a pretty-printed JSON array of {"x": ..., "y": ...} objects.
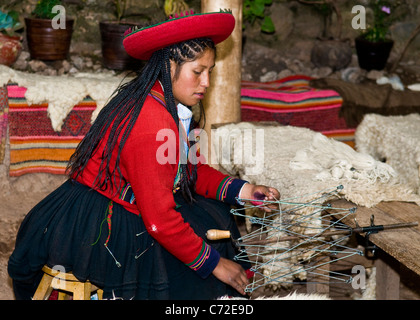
[
  {"x": 4, "y": 111},
  {"x": 34, "y": 145},
  {"x": 292, "y": 101}
]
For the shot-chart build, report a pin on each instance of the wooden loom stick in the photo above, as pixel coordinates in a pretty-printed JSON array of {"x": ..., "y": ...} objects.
[{"x": 214, "y": 234}]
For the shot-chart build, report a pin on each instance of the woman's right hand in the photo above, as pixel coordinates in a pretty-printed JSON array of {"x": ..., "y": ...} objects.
[{"x": 232, "y": 274}]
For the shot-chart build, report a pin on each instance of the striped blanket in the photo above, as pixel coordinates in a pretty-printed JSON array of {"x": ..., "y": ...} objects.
[
  {"x": 34, "y": 145},
  {"x": 4, "y": 113},
  {"x": 291, "y": 101}
]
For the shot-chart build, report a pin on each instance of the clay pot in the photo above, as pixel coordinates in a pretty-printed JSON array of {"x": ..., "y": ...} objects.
[
  {"x": 46, "y": 42},
  {"x": 10, "y": 48},
  {"x": 373, "y": 55},
  {"x": 114, "y": 55}
]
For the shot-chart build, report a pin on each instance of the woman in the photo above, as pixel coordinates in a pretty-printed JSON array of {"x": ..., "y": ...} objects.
[{"x": 131, "y": 219}]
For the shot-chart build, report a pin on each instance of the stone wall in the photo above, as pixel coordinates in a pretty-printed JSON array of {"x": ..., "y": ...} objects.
[
  {"x": 299, "y": 27},
  {"x": 88, "y": 13}
]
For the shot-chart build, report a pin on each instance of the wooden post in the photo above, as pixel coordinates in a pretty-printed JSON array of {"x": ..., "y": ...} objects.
[
  {"x": 222, "y": 103},
  {"x": 318, "y": 280},
  {"x": 387, "y": 277}
]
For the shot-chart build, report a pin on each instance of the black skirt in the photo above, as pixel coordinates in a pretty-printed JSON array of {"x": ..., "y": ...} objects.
[{"x": 68, "y": 231}]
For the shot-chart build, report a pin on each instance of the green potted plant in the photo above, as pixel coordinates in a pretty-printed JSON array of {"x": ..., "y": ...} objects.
[
  {"x": 172, "y": 7},
  {"x": 112, "y": 32},
  {"x": 374, "y": 45},
  {"x": 10, "y": 37},
  {"x": 49, "y": 31},
  {"x": 254, "y": 10}
]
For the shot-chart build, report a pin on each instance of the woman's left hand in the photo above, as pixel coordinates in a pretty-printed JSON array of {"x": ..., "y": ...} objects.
[{"x": 261, "y": 196}]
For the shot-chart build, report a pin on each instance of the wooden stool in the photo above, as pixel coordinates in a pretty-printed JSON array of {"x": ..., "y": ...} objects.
[{"x": 64, "y": 282}]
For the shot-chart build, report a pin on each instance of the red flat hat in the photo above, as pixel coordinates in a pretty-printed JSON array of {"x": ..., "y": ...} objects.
[{"x": 141, "y": 43}]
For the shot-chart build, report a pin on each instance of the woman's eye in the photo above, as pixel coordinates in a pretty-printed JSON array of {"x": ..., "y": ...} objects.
[{"x": 197, "y": 72}]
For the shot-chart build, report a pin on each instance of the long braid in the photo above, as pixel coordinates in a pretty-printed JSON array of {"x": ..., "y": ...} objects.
[
  {"x": 120, "y": 114},
  {"x": 123, "y": 108}
]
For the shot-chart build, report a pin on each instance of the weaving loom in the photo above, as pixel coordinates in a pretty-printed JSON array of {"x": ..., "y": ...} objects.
[
  {"x": 289, "y": 245},
  {"x": 302, "y": 164}
]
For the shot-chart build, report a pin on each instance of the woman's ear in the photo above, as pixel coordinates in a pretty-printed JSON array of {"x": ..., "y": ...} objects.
[{"x": 173, "y": 69}]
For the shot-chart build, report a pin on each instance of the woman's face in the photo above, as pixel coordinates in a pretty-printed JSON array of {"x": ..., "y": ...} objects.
[{"x": 193, "y": 79}]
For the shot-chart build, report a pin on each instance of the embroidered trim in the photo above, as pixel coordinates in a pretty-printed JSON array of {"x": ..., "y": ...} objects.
[
  {"x": 158, "y": 97},
  {"x": 127, "y": 194},
  {"x": 223, "y": 187},
  {"x": 201, "y": 258}
]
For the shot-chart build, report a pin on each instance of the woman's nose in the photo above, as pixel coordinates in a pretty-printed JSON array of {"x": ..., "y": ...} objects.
[{"x": 205, "y": 80}]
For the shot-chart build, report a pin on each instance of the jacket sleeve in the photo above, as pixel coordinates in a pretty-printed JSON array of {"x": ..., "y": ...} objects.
[
  {"x": 152, "y": 178},
  {"x": 213, "y": 184}
]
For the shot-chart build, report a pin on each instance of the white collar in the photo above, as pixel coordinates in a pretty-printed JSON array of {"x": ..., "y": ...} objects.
[{"x": 184, "y": 112}]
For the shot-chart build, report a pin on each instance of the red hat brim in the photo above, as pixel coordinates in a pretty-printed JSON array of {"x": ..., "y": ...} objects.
[{"x": 141, "y": 43}]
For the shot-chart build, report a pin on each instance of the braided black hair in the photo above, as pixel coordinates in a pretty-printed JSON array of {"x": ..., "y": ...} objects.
[{"x": 121, "y": 112}]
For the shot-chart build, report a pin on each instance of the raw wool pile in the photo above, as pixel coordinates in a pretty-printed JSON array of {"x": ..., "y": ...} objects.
[
  {"x": 301, "y": 163},
  {"x": 343, "y": 163},
  {"x": 63, "y": 92},
  {"x": 395, "y": 139}
]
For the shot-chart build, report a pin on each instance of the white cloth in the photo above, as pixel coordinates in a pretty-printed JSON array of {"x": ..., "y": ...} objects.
[{"x": 185, "y": 116}]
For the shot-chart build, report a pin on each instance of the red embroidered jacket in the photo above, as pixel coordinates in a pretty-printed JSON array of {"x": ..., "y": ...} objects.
[{"x": 152, "y": 185}]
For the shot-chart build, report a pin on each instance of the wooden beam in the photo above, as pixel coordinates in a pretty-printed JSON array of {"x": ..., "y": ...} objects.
[
  {"x": 402, "y": 244},
  {"x": 387, "y": 277},
  {"x": 222, "y": 103}
]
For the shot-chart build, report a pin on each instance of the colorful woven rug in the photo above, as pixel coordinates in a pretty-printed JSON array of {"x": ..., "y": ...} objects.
[
  {"x": 291, "y": 101},
  {"x": 34, "y": 145},
  {"x": 4, "y": 112}
]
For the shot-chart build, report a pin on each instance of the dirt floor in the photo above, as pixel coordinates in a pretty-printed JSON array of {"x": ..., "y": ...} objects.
[
  {"x": 17, "y": 197},
  {"x": 13, "y": 208}
]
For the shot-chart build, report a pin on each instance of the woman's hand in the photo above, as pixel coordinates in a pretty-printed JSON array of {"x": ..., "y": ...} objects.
[
  {"x": 231, "y": 273},
  {"x": 258, "y": 194}
]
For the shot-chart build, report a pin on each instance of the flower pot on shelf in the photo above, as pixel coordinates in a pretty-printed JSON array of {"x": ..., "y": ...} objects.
[
  {"x": 373, "y": 55},
  {"x": 114, "y": 55},
  {"x": 10, "y": 48},
  {"x": 46, "y": 42}
]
